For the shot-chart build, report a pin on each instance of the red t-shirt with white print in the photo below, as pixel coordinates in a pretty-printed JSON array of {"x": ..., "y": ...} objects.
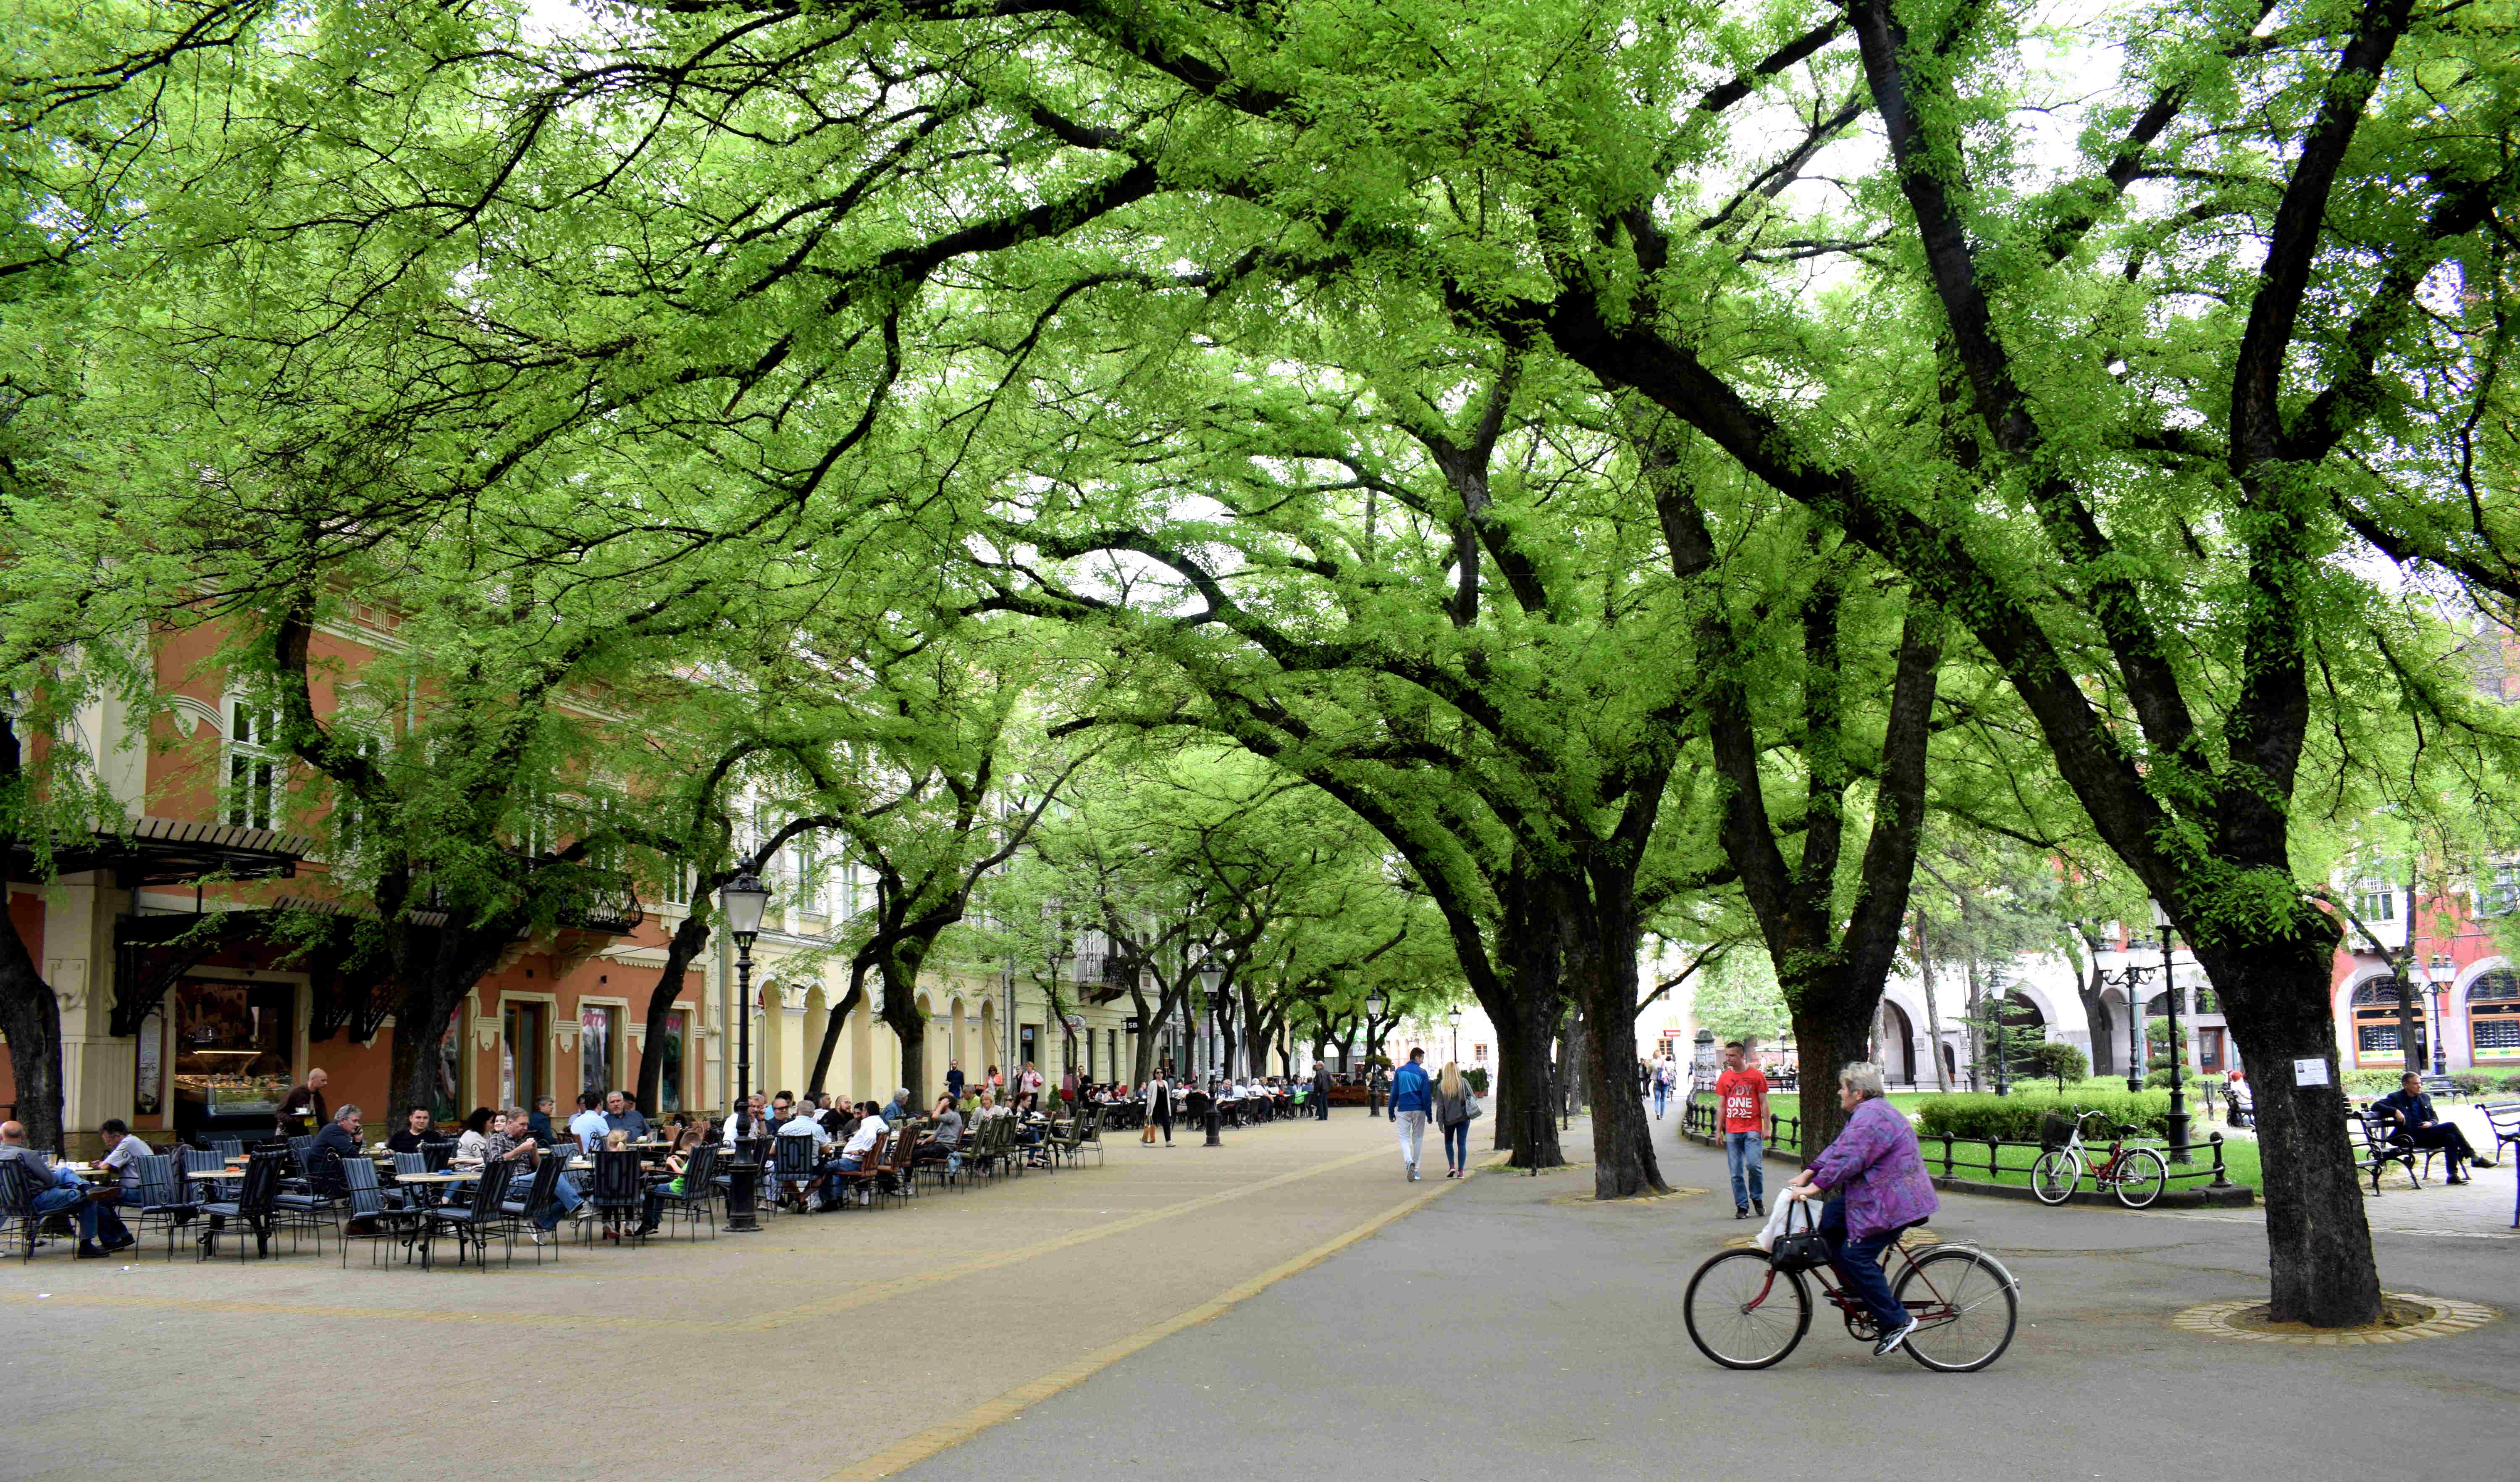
[{"x": 1744, "y": 1096}]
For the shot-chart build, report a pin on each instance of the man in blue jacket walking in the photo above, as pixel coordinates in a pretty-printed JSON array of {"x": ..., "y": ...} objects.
[{"x": 1412, "y": 1096}]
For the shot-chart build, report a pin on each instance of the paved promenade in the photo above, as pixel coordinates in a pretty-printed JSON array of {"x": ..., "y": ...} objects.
[
  {"x": 1501, "y": 1333},
  {"x": 1250, "y": 1311},
  {"x": 797, "y": 1353}
]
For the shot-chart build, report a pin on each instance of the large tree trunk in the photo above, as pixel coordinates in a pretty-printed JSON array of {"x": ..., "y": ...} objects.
[
  {"x": 690, "y": 937},
  {"x": 1602, "y": 969},
  {"x": 438, "y": 967},
  {"x": 2275, "y": 996},
  {"x": 31, "y": 1017},
  {"x": 1830, "y": 1033},
  {"x": 900, "y": 969},
  {"x": 1525, "y": 1104}
]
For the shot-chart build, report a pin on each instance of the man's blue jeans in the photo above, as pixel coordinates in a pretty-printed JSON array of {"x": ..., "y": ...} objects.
[
  {"x": 1662, "y": 1099},
  {"x": 1745, "y": 1159},
  {"x": 91, "y": 1217},
  {"x": 1859, "y": 1265}
]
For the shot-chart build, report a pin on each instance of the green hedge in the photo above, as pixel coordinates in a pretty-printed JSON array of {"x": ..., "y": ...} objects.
[
  {"x": 2016, "y": 1118},
  {"x": 1478, "y": 1079}
]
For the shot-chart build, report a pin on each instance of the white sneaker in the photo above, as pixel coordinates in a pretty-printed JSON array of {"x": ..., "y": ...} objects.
[{"x": 1891, "y": 1340}]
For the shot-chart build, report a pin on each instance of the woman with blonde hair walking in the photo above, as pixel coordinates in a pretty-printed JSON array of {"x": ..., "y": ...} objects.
[{"x": 1455, "y": 1105}]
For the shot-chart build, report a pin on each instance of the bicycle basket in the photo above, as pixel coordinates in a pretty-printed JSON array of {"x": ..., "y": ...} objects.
[
  {"x": 1799, "y": 1249},
  {"x": 2054, "y": 1131}
]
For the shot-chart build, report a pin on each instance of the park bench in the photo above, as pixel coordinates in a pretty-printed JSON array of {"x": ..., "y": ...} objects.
[
  {"x": 2502, "y": 1119},
  {"x": 2374, "y": 1150},
  {"x": 2440, "y": 1088}
]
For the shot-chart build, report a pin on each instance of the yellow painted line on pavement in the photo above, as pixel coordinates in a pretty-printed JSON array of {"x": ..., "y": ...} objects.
[
  {"x": 912, "y": 1450},
  {"x": 882, "y": 1291}
]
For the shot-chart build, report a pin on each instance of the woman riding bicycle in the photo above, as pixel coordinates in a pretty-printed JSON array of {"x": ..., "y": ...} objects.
[{"x": 1877, "y": 1186}]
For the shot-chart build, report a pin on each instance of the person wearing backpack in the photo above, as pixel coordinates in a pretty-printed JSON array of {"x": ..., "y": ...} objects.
[
  {"x": 1412, "y": 1096},
  {"x": 1455, "y": 1107}
]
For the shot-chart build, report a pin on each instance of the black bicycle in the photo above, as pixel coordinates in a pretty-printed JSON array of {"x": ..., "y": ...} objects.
[{"x": 1744, "y": 1313}]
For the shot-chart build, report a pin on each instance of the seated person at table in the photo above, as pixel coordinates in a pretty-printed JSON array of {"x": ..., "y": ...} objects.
[
  {"x": 122, "y": 1154},
  {"x": 943, "y": 1146},
  {"x": 617, "y": 1140},
  {"x": 339, "y": 1140},
  {"x": 589, "y": 1125},
  {"x": 474, "y": 1141},
  {"x": 898, "y": 1107},
  {"x": 58, "y": 1190},
  {"x": 621, "y": 1115},
  {"x": 540, "y": 1122},
  {"x": 853, "y": 1154},
  {"x": 2412, "y": 1112},
  {"x": 652, "y": 1211},
  {"x": 514, "y": 1142},
  {"x": 802, "y": 1123},
  {"x": 415, "y": 1130}
]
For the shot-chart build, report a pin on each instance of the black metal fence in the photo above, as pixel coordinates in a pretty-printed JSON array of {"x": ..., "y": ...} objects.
[{"x": 1952, "y": 1156}]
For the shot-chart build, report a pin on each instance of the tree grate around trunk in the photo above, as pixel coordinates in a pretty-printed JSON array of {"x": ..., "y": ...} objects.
[{"x": 2404, "y": 1317}]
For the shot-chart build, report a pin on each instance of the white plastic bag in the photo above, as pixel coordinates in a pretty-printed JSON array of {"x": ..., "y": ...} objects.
[{"x": 1775, "y": 1225}]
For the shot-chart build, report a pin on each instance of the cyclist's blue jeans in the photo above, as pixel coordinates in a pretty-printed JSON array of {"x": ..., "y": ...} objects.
[
  {"x": 1745, "y": 1159},
  {"x": 1662, "y": 1099},
  {"x": 1859, "y": 1265}
]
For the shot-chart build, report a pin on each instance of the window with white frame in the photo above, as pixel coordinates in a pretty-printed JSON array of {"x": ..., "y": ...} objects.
[
  {"x": 256, "y": 772},
  {"x": 2376, "y": 901},
  {"x": 2497, "y": 888}
]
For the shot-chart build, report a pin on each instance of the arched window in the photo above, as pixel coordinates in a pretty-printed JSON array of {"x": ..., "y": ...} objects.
[
  {"x": 2502, "y": 985},
  {"x": 2381, "y": 990},
  {"x": 2376, "y": 1030},
  {"x": 2494, "y": 1018}
]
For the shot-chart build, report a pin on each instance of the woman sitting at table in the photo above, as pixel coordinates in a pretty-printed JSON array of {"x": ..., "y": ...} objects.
[
  {"x": 474, "y": 1141},
  {"x": 415, "y": 1130}
]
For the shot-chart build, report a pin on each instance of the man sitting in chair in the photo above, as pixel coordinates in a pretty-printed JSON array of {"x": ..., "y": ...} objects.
[{"x": 2412, "y": 1113}]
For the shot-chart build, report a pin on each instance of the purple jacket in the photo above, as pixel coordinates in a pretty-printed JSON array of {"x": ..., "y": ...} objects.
[{"x": 1874, "y": 1166}]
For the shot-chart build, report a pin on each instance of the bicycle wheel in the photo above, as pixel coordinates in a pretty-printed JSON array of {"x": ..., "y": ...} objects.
[
  {"x": 1744, "y": 1313},
  {"x": 2140, "y": 1175},
  {"x": 2053, "y": 1176},
  {"x": 1965, "y": 1310}
]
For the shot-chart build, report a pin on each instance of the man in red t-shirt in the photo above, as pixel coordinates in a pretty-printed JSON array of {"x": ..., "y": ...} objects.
[{"x": 1741, "y": 1101}]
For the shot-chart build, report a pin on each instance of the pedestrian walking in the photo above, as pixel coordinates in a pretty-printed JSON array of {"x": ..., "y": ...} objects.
[
  {"x": 1661, "y": 1086},
  {"x": 1412, "y": 1096},
  {"x": 1321, "y": 1092},
  {"x": 1741, "y": 1098},
  {"x": 1455, "y": 1107},
  {"x": 1159, "y": 1107}
]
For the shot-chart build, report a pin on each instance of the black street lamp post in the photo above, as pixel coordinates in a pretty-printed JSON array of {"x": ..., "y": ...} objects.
[
  {"x": 2177, "y": 1117},
  {"x": 742, "y": 900}
]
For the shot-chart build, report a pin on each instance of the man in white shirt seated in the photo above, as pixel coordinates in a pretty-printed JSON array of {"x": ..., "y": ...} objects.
[
  {"x": 853, "y": 1155},
  {"x": 589, "y": 1125},
  {"x": 803, "y": 1124}
]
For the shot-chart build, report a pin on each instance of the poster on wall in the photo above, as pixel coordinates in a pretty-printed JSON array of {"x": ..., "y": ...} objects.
[
  {"x": 149, "y": 1086},
  {"x": 594, "y": 1047}
]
